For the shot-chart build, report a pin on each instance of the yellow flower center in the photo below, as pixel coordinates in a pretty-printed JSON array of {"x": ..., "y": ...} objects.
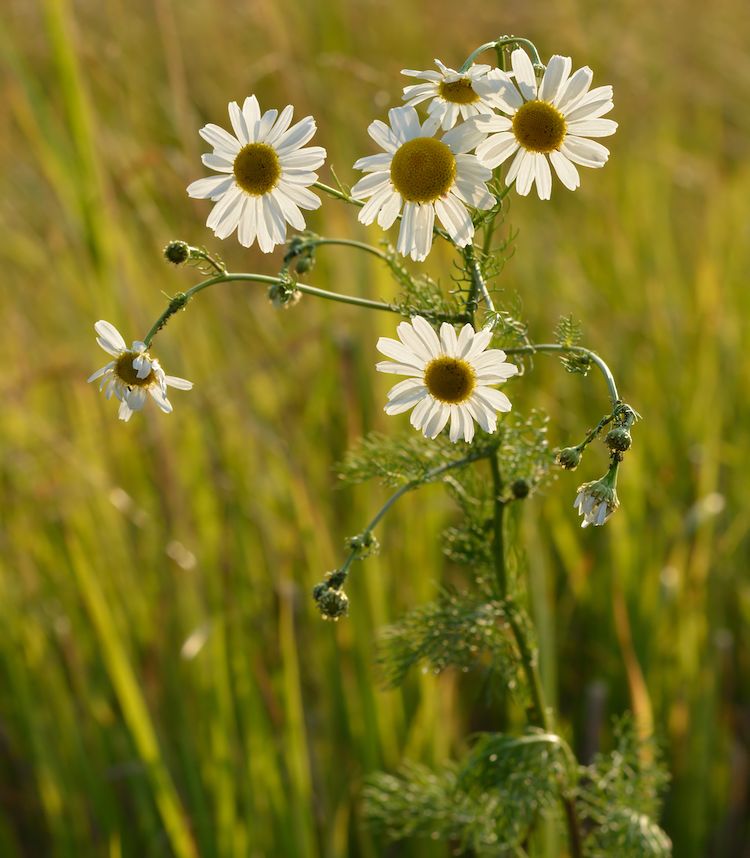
[
  {"x": 423, "y": 169},
  {"x": 539, "y": 127},
  {"x": 126, "y": 372},
  {"x": 450, "y": 380},
  {"x": 257, "y": 169},
  {"x": 458, "y": 91}
]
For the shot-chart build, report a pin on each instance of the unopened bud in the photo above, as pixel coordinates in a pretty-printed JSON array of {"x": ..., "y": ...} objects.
[
  {"x": 177, "y": 252},
  {"x": 618, "y": 439},
  {"x": 569, "y": 458},
  {"x": 520, "y": 489}
]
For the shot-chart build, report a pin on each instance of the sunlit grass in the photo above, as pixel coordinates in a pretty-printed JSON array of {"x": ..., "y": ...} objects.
[{"x": 168, "y": 685}]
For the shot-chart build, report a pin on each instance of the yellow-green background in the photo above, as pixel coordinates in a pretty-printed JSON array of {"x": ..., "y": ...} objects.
[{"x": 167, "y": 687}]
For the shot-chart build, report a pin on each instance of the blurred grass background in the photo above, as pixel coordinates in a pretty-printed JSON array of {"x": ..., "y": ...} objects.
[{"x": 167, "y": 685}]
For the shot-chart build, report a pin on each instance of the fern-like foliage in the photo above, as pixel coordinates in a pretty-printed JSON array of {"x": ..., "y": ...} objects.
[
  {"x": 620, "y": 799},
  {"x": 569, "y": 333},
  {"x": 461, "y": 630},
  {"x": 484, "y": 806},
  {"x": 402, "y": 458}
]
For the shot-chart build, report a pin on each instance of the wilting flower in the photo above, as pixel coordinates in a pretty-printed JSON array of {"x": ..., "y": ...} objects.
[
  {"x": 548, "y": 120},
  {"x": 264, "y": 174},
  {"x": 133, "y": 373},
  {"x": 454, "y": 93},
  {"x": 596, "y": 501},
  {"x": 424, "y": 177},
  {"x": 449, "y": 378}
]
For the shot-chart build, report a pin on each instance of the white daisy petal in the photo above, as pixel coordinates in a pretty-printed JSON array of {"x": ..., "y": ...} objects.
[
  {"x": 421, "y": 410},
  {"x": 426, "y": 333},
  {"x": 251, "y": 115},
  {"x": 411, "y": 339},
  {"x": 587, "y": 153},
  {"x": 543, "y": 177},
  {"x": 369, "y": 184},
  {"x": 397, "y": 368},
  {"x": 399, "y": 352},
  {"x": 456, "y": 219},
  {"x": 404, "y": 122},
  {"x": 555, "y": 77},
  {"x": 405, "y": 401},
  {"x": 390, "y": 210},
  {"x": 576, "y": 87},
  {"x": 565, "y": 170},
  {"x": 524, "y": 73},
  {"x": 592, "y": 128},
  {"x": 280, "y": 127},
  {"x": 374, "y": 163},
  {"x": 448, "y": 339},
  {"x": 424, "y": 222},
  {"x": 210, "y": 188},
  {"x": 100, "y": 372},
  {"x": 405, "y": 386},
  {"x": 407, "y": 231},
  {"x": 178, "y": 383},
  {"x": 238, "y": 122},
  {"x": 302, "y": 197},
  {"x": 497, "y": 148},
  {"x": 383, "y": 136},
  {"x": 219, "y": 138},
  {"x": 299, "y": 134},
  {"x": 371, "y": 209},
  {"x": 493, "y": 122},
  {"x": 265, "y": 124},
  {"x": 110, "y": 339}
]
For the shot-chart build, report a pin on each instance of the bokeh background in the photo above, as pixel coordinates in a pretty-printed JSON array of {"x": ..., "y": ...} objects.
[{"x": 167, "y": 685}]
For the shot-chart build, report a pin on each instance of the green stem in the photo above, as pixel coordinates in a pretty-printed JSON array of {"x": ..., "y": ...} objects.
[
  {"x": 345, "y": 242},
  {"x": 500, "y": 43},
  {"x": 181, "y": 300},
  {"x": 529, "y": 661},
  {"x": 339, "y": 195},
  {"x": 593, "y": 357},
  {"x": 478, "y": 286},
  {"x": 413, "y": 484}
]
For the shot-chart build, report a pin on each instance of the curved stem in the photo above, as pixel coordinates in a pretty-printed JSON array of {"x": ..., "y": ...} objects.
[
  {"x": 556, "y": 347},
  {"x": 181, "y": 300},
  {"x": 500, "y": 43},
  {"x": 345, "y": 242},
  {"x": 413, "y": 484}
]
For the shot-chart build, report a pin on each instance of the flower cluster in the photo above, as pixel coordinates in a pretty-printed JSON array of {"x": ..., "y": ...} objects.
[{"x": 435, "y": 175}]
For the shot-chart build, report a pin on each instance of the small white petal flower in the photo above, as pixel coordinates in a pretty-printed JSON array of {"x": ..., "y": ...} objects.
[
  {"x": 425, "y": 177},
  {"x": 596, "y": 501},
  {"x": 455, "y": 94},
  {"x": 132, "y": 374},
  {"x": 264, "y": 174},
  {"x": 552, "y": 119},
  {"x": 449, "y": 378}
]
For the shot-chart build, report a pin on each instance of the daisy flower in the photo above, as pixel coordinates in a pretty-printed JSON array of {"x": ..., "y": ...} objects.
[
  {"x": 133, "y": 373},
  {"x": 264, "y": 174},
  {"x": 596, "y": 501},
  {"x": 550, "y": 120},
  {"x": 453, "y": 93},
  {"x": 449, "y": 378},
  {"x": 422, "y": 176}
]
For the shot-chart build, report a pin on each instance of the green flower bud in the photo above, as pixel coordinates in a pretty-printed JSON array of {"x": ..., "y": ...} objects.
[
  {"x": 332, "y": 604},
  {"x": 618, "y": 439},
  {"x": 177, "y": 252},
  {"x": 569, "y": 458},
  {"x": 520, "y": 489}
]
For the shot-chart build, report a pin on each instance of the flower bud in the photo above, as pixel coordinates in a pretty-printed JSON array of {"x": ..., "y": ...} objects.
[
  {"x": 569, "y": 458},
  {"x": 177, "y": 252},
  {"x": 332, "y": 604},
  {"x": 520, "y": 489},
  {"x": 618, "y": 439}
]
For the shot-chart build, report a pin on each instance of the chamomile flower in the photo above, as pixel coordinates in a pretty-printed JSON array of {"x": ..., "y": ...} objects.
[
  {"x": 449, "y": 378},
  {"x": 420, "y": 176},
  {"x": 133, "y": 373},
  {"x": 454, "y": 93},
  {"x": 264, "y": 174},
  {"x": 596, "y": 501},
  {"x": 553, "y": 119}
]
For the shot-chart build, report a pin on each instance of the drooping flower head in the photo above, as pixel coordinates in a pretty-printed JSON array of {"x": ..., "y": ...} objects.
[
  {"x": 596, "y": 501},
  {"x": 420, "y": 176},
  {"x": 132, "y": 374},
  {"x": 552, "y": 119},
  {"x": 449, "y": 378},
  {"x": 264, "y": 174},
  {"x": 454, "y": 93}
]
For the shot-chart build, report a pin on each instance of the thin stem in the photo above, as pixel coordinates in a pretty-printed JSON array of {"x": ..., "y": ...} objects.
[
  {"x": 413, "y": 484},
  {"x": 499, "y": 43},
  {"x": 529, "y": 661},
  {"x": 339, "y": 195},
  {"x": 593, "y": 357},
  {"x": 181, "y": 300},
  {"x": 200, "y": 253},
  {"x": 478, "y": 286},
  {"x": 345, "y": 242}
]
